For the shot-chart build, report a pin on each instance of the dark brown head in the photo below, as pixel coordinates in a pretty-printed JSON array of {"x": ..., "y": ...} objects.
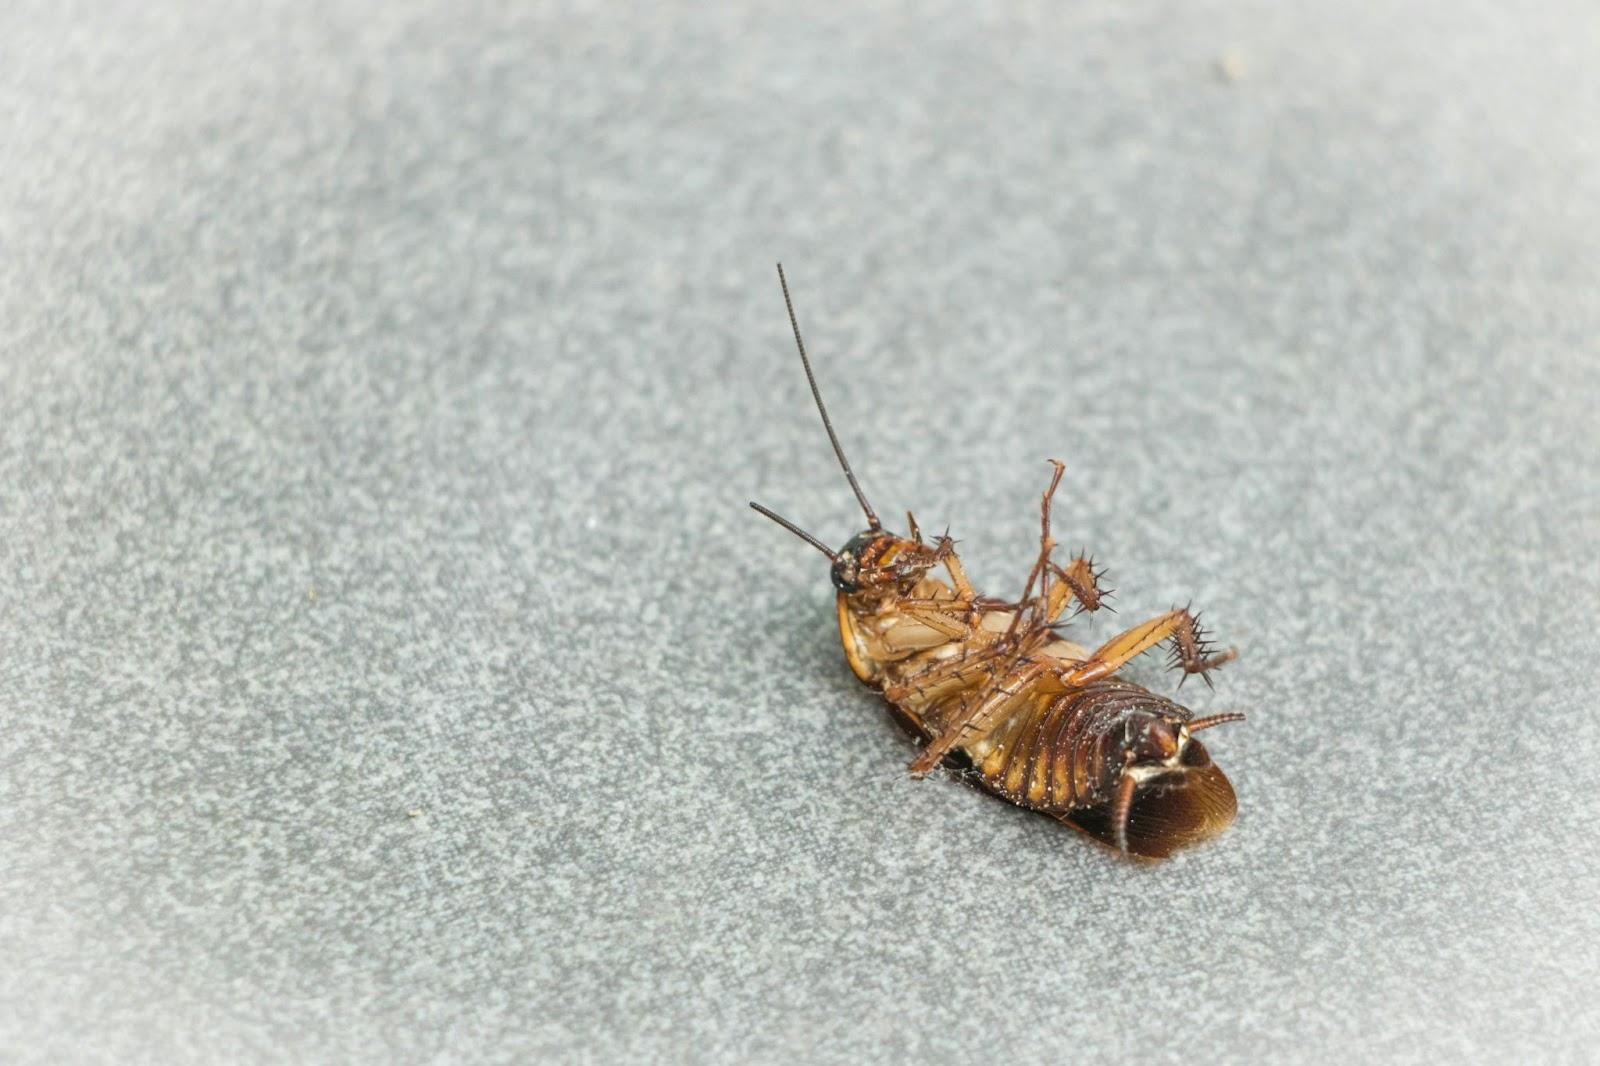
[{"x": 877, "y": 560}]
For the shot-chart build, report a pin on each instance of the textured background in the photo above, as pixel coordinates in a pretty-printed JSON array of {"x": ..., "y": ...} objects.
[{"x": 390, "y": 669}]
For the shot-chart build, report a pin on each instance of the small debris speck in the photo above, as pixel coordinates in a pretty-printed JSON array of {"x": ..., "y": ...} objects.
[
  {"x": 1230, "y": 68},
  {"x": 415, "y": 812}
]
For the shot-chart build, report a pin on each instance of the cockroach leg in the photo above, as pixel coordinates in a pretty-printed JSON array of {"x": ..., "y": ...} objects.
[
  {"x": 986, "y": 708},
  {"x": 1190, "y": 649},
  {"x": 958, "y": 574},
  {"x": 944, "y": 549},
  {"x": 933, "y": 703},
  {"x": 1077, "y": 581},
  {"x": 911, "y": 524},
  {"x": 1041, "y": 565},
  {"x": 969, "y": 668},
  {"x": 938, "y": 620}
]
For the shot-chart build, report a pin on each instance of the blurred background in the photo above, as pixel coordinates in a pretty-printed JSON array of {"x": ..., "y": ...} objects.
[{"x": 390, "y": 669}]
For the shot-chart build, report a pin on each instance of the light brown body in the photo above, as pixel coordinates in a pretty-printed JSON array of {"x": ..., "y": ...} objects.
[
  {"x": 1040, "y": 721},
  {"x": 992, "y": 686}
]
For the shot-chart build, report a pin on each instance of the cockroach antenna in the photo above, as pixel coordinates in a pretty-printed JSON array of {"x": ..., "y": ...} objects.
[
  {"x": 827, "y": 423},
  {"x": 796, "y": 530}
]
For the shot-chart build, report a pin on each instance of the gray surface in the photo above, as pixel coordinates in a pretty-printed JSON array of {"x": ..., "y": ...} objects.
[{"x": 391, "y": 670}]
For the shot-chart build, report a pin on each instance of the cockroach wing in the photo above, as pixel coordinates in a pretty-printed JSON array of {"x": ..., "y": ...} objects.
[{"x": 1167, "y": 814}]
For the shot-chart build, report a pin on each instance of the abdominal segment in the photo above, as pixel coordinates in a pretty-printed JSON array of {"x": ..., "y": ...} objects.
[
  {"x": 1060, "y": 753},
  {"x": 1057, "y": 751}
]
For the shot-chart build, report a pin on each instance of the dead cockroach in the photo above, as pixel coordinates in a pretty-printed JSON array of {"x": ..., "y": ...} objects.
[{"x": 996, "y": 692}]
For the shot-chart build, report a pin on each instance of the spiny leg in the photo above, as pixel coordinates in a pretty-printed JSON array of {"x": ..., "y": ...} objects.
[
  {"x": 939, "y": 620},
  {"x": 1194, "y": 652},
  {"x": 980, "y": 710},
  {"x": 958, "y": 576},
  {"x": 918, "y": 628},
  {"x": 983, "y": 707},
  {"x": 1080, "y": 581},
  {"x": 951, "y": 616},
  {"x": 969, "y": 669},
  {"x": 1041, "y": 565},
  {"x": 1191, "y": 650},
  {"x": 944, "y": 552}
]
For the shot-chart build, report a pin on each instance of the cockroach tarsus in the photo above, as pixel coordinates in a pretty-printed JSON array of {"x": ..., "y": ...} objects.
[{"x": 995, "y": 691}]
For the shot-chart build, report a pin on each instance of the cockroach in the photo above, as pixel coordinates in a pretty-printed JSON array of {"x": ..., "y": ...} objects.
[{"x": 996, "y": 693}]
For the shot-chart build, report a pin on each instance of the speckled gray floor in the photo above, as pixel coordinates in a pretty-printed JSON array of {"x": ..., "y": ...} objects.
[{"x": 390, "y": 669}]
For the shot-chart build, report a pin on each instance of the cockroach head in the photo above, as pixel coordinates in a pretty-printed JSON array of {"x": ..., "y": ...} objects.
[{"x": 876, "y": 560}]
